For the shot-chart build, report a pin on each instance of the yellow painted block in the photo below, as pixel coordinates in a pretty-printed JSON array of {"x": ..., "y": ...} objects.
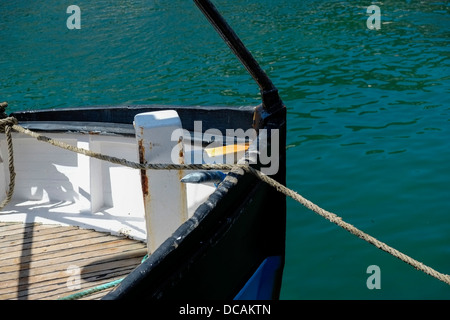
[{"x": 219, "y": 151}]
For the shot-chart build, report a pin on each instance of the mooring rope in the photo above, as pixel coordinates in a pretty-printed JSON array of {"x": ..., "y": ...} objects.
[
  {"x": 12, "y": 123},
  {"x": 5, "y": 126}
]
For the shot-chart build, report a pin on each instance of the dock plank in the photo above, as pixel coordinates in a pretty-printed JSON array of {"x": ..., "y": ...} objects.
[{"x": 48, "y": 262}]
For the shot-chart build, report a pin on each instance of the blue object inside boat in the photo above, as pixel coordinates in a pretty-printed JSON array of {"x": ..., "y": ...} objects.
[{"x": 261, "y": 283}]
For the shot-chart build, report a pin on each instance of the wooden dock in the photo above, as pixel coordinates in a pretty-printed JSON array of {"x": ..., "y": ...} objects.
[{"x": 39, "y": 261}]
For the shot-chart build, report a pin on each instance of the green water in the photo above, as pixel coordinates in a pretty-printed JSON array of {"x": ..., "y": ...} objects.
[{"x": 368, "y": 112}]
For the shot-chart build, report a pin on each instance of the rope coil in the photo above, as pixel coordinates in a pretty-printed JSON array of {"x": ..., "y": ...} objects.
[{"x": 11, "y": 123}]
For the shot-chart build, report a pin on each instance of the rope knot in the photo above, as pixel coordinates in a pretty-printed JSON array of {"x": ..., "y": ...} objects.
[
  {"x": 3, "y": 106},
  {"x": 9, "y": 121}
]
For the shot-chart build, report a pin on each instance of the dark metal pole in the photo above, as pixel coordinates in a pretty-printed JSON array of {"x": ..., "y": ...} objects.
[{"x": 270, "y": 98}]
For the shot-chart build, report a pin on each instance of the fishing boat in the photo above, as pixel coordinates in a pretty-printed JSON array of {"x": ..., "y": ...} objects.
[{"x": 91, "y": 226}]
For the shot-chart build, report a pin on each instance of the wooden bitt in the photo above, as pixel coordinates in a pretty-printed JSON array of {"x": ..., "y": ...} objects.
[{"x": 48, "y": 262}]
